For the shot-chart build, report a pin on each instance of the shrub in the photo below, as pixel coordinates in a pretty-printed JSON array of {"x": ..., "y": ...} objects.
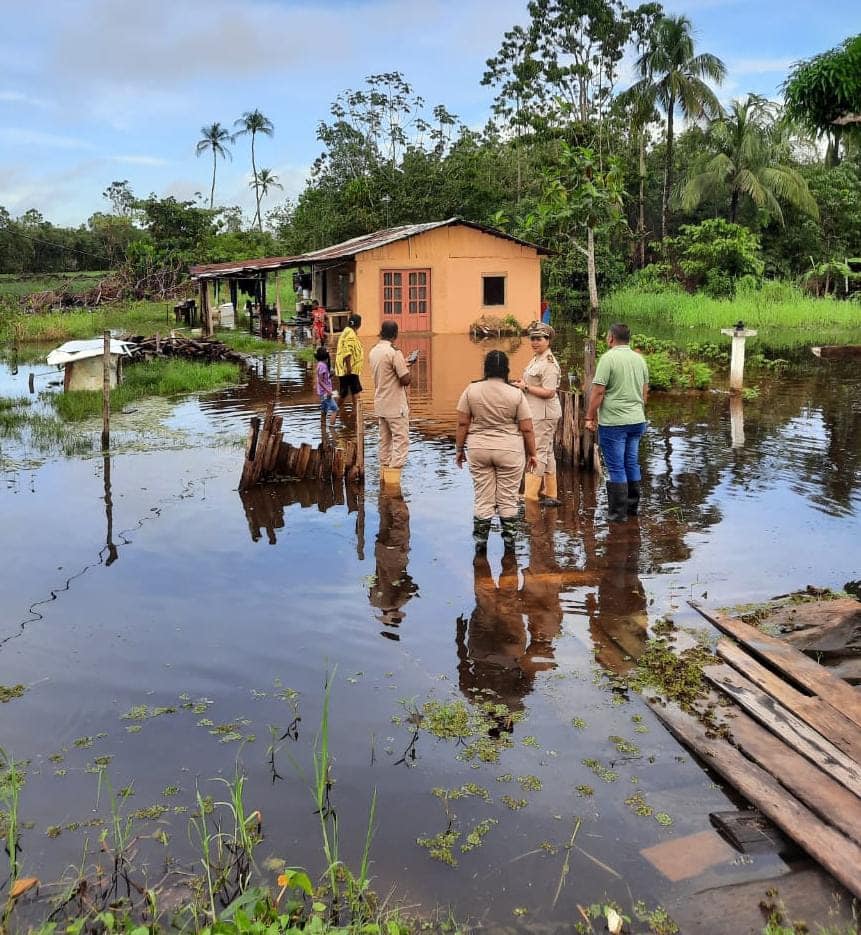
[
  {"x": 714, "y": 255},
  {"x": 661, "y": 370}
]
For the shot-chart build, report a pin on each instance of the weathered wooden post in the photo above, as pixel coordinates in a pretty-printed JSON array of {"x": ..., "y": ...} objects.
[
  {"x": 736, "y": 365},
  {"x": 106, "y": 392},
  {"x": 205, "y": 310},
  {"x": 360, "y": 438}
]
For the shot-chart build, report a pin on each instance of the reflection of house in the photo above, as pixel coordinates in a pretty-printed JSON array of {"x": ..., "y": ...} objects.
[{"x": 435, "y": 277}]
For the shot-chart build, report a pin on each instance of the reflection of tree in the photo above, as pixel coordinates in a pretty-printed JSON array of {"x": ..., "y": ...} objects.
[{"x": 393, "y": 586}]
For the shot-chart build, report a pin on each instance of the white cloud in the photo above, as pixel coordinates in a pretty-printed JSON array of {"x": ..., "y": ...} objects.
[
  {"x": 140, "y": 160},
  {"x": 18, "y": 136},
  {"x": 18, "y": 97},
  {"x": 759, "y": 66}
]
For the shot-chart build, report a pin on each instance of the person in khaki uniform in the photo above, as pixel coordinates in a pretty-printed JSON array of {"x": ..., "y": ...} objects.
[
  {"x": 540, "y": 385},
  {"x": 496, "y": 418},
  {"x": 391, "y": 407}
]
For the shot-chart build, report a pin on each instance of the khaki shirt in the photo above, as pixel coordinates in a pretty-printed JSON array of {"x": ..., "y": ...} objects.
[
  {"x": 544, "y": 371},
  {"x": 495, "y": 409},
  {"x": 388, "y": 366}
]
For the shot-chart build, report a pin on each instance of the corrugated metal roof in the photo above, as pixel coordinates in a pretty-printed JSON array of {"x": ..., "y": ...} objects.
[{"x": 346, "y": 250}]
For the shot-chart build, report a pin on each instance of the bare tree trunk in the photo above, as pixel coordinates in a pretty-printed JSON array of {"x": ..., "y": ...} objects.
[
  {"x": 668, "y": 172},
  {"x": 256, "y": 186},
  {"x": 733, "y": 205},
  {"x": 641, "y": 221},
  {"x": 212, "y": 190}
]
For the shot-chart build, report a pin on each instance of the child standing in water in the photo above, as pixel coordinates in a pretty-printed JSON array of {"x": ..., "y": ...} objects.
[{"x": 328, "y": 406}]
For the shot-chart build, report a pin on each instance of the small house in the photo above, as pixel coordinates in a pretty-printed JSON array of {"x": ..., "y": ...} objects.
[{"x": 437, "y": 277}]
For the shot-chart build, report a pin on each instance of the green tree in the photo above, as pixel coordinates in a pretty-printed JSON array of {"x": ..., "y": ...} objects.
[
  {"x": 216, "y": 139},
  {"x": 263, "y": 182},
  {"x": 250, "y": 124},
  {"x": 714, "y": 255},
  {"x": 121, "y": 197},
  {"x": 823, "y": 94},
  {"x": 748, "y": 156},
  {"x": 674, "y": 77}
]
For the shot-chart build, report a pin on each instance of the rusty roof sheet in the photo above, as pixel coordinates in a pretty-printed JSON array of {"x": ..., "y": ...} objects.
[{"x": 345, "y": 250}]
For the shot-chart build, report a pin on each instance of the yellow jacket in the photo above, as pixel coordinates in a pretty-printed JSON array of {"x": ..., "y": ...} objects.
[{"x": 349, "y": 345}]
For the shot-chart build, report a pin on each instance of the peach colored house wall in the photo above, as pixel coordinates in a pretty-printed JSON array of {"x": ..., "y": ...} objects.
[{"x": 457, "y": 257}]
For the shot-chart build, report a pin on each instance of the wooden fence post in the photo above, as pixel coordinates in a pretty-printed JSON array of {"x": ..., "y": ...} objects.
[{"x": 106, "y": 392}]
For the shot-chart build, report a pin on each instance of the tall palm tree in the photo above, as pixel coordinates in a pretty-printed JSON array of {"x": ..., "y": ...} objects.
[
  {"x": 671, "y": 72},
  {"x": 217, "y": 138},
  {"x": 262, "y": 182},
  {"x": 747, "y": 147},
  {"x": 253, "y": 122}
]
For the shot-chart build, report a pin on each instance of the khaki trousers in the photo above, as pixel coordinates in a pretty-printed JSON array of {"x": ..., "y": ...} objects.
[
  {"x": 545, "y": 430},
  {"x": 496, "y": 477},
  {"x": 394, "y": 440}
]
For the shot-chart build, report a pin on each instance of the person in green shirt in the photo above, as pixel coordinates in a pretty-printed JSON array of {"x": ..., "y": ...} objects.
[{"x": 617, "y": 402}]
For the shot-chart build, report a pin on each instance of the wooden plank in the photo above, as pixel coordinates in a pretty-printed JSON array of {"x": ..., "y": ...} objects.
[
  {"x": 791, "y": 662},
  {"x": 785, "y": 725},
  {"x": 838, "y": 854},
  {"x": 843, "y": 733},
  {"x": 302, "y": 459},
  {"x": 246, "y": 479},
  {"x": 808, "y": 783}
]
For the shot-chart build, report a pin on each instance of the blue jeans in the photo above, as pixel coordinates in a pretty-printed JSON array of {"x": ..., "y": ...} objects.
[{"x": 620, "y": 445}]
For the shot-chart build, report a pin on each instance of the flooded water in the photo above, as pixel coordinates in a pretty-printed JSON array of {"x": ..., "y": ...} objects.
[{"x": 171, "y": 630}]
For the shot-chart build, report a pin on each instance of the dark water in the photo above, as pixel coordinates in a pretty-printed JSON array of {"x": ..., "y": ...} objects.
[{"x": 149, "y": 580}]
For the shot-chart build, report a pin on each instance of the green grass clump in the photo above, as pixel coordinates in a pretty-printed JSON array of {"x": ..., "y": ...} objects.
[
  {"x": 162, "y": 377},
  {"x": 775, "y": 304},
  {"x": 17, "y": 286},
  {"x": 247, "y": 343},
  {"x": 80, "y": 324}
]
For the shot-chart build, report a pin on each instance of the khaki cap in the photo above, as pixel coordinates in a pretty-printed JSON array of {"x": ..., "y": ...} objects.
[{"x": 539, "y": 328}]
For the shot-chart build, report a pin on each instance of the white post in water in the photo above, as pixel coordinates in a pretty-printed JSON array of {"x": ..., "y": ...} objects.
[{"x": 736, "y": 364}]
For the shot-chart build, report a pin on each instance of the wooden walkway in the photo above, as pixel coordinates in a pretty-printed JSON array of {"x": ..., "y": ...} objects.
[{"x": 794, "y": 742}]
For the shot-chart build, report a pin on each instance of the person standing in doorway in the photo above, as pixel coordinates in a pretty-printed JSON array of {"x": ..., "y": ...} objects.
[
  {"x": 349, "y": 359},
  {"x": 391, "y": 407},
  {"x": 620, "y": 390},
  {"x": 495, "y": 417},
  {"x": 540, "y": 385}
]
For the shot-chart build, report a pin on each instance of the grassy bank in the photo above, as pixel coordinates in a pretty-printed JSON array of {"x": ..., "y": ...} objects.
[
  {"x": 164, "y": 377},
  {"x": 12, "y": 284},
  {"x": 775, "y": 305},
  {"x": 131, "y": 318}
]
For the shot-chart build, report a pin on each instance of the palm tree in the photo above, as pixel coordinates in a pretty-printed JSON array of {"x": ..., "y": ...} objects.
[
  {"x": 214, "y": 137},
  {"x": 262, "y": 182},
  {"x": 747, "y": 147},
  {"x": 674, "y": 77},
  {"x": 253, "y": 122}
]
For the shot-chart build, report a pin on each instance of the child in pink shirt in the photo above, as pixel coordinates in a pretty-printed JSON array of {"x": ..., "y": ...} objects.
[{"x": 328, "y": 406}]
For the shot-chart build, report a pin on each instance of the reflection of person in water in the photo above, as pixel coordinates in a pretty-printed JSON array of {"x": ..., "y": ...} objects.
[
  {"x": 618, "y": 616},
  {"x": 492, "y": 643},
  {"x": 393, "y": 587},
  {"x": 542, "y": 583}
]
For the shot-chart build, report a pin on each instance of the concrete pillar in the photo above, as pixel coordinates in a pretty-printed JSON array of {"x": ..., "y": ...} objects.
[{"x": 736, "y": 364}]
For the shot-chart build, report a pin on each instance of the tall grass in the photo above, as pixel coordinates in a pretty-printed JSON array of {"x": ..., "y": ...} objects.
[
  {"x": 160, "y": 377},
  {"x": 14, "y": 285},
  {"x": 775, "y": 305},
  {"x": 131, "y": 318}
]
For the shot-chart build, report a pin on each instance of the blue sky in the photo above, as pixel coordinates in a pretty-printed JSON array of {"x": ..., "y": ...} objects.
[{"x": 97, "y": 90}]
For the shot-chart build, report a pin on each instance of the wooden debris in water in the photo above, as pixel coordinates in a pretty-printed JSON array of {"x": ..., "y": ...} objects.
[{"x": 175, "y": 345}]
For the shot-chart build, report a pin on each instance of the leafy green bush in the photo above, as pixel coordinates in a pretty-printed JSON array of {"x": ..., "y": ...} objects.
[
  {"x": 662, "y": 370},
  {"x": 714, "y": 255},
  {"x": 666, "y": 373}
]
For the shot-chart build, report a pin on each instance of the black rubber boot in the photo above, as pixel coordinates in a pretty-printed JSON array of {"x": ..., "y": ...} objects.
[
  {"x": 509, "y": 532},
  {"x": 617, "y": 501},
  {"x": 480, "y": 532},
  {"x": 633, "y": 497}
]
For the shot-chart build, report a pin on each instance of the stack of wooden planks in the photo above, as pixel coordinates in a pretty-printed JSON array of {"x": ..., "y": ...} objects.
[
  {"x": 174, "y": 345},
  {"x": 269, "y": 458},
  {"x": 790, "y": 743}
]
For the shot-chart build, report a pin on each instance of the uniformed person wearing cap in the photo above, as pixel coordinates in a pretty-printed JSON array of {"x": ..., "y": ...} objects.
[{"x": 540, "y": 385}]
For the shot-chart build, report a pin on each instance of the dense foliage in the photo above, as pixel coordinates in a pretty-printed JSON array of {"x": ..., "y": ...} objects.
[{"x": 603, "y": 177}]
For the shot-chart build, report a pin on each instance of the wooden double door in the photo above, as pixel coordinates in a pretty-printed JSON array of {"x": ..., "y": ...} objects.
[{"x": 406, "y": 295}]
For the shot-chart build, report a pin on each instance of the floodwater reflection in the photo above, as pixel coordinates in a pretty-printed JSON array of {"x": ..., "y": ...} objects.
[{"x": 392, "y": 586}]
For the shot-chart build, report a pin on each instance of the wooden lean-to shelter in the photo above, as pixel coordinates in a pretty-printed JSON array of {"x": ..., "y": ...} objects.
[{"x": 438, "y": 277}]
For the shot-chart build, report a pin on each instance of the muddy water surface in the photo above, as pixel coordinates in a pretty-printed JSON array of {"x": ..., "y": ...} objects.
[{"x": 171, "y": 627}]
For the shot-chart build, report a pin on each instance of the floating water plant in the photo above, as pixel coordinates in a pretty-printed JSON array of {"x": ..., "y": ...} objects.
[
  {"x": 475, "y": 838},
  {"x": 7, "y": 692},
  {"x": 604, "y": 773}
]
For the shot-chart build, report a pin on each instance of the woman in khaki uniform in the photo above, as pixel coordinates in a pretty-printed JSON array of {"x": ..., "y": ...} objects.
[
  {"x": 540, "y": 385},
  {"x": 495, "y": 416}
]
